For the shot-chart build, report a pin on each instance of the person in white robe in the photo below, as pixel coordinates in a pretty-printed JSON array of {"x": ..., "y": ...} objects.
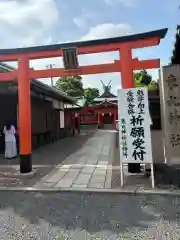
[{"x": 10, "y": 142}]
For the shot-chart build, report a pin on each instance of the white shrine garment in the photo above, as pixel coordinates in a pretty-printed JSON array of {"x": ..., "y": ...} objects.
[{"x": 10, "y": 143}]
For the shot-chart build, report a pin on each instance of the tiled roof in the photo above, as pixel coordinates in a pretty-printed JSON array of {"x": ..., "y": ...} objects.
[{"x": 107, "y": 95}]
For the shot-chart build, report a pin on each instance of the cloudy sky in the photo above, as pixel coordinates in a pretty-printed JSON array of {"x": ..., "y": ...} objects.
[{"x": 41, "y": 22}]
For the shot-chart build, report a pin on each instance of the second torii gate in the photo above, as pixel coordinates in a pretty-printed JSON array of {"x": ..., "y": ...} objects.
[{"x": 24, "y": 74}]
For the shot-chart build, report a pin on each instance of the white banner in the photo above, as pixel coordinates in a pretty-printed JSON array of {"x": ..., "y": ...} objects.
[
  {"x": 134, "y": 126},
  {"x": 61, "y": 119}
]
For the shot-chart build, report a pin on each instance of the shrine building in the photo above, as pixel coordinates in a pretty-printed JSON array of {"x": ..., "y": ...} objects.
[
  {"x": 104, "y": 110},
  {"x": 50, "y": 119}
]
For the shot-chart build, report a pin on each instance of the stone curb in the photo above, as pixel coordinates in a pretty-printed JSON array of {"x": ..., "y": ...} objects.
[
  {"x": 93, "y": 190},
  {"x": 25, "y": 175}
]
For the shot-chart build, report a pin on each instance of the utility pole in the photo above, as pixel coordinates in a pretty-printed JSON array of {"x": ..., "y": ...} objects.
[{"x": 51, "y": 66}]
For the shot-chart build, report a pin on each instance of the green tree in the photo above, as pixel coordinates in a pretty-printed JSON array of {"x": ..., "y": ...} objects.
[
  {"x": 153, "y": 85},
  {"x": 142, "y": 78},
  {"x": 139, "y": 76},
  {"x": 90, "y": 94},
  {"x": 73, "y": 86}
]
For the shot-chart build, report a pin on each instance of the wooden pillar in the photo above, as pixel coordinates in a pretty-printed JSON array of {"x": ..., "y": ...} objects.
[
  {"x": 24, "y": 119},
  {"x": 115, "y": 118},
  {"x": 98, "y": 118},
  {"x": 127, "y": 81},
  {"x": 73, "y": 122},
  {"x": 79, "y": 123},
  {"x": 17, "y": 130}
]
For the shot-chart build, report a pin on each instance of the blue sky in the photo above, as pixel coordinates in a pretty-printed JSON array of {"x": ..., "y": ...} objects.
[{"x": 39, "y": 22}]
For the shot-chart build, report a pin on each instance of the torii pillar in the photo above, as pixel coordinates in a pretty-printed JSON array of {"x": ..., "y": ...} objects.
[{"x": 24, "y": 118}]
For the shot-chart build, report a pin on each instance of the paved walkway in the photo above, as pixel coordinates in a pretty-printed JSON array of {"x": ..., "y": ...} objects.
[
  {"x": 45, "y": 159},
  {"x": 88, "y": 167},
  {"x": 84, "y": 162}
]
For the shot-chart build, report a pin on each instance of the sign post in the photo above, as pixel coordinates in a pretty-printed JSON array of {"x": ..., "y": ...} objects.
[
  {"x": 134, "y": 128},
  {"x": 170, "y": 110}
]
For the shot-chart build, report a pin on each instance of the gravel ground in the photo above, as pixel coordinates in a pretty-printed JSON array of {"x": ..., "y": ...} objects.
[{"x": 28, "y": 215}]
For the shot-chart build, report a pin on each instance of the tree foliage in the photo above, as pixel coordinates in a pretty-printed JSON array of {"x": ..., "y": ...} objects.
[
  {"x": 140, "y": 76},
  {"x": 153, "y": 86},
  {"x": 73, "y": 86},
  {"x": 90, "y": 94}
]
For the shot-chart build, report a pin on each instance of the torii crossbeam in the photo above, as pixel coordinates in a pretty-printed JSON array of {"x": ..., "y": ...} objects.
[{"x": 24, "y": 74}]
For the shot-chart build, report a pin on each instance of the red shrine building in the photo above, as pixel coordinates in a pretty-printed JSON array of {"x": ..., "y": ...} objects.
[{"x": 103, "y": 111}]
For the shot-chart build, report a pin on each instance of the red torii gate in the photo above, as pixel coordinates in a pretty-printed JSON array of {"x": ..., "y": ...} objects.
[{"x": 23, "y": 75}]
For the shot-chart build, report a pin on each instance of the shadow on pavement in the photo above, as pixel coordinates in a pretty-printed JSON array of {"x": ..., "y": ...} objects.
[
  {"x": 44, "y": 161},
  {"x": 53, "y": 154},
  {"x": 134, "y": 217}
]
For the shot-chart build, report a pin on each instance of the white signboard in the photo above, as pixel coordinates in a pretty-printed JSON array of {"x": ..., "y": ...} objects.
[
  {"x": 134, "y": 126},
  {"x": 170, "y": 107},
  {"x": 61, "y": 119}
]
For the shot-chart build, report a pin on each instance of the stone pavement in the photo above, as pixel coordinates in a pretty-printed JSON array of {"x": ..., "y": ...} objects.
[
  {"x": 88, "y": 167},
  {"x": 89, "y": 161},
  {"x": 88, "y": 216},
  {"x": 45, "y": 159}
]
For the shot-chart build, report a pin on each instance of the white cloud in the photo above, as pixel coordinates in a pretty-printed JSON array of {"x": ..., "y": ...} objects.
[
  {"x": 80, "y": 22},
  {"x": 27, "y": 22},
  {"x": 100, "y": 31},
  {"x": 108, "y": 30},
  {"x": 126, "y": 3},
  {"x": 85, "y": 18}
]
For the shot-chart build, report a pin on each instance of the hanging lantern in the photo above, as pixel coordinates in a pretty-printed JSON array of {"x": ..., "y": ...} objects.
[
  {"x": 102, "y": 114},
  {"x": 110, "y": 114}
]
